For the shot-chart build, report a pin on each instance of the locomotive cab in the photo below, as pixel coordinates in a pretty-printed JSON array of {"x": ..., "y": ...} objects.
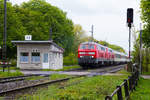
[{"x": 87, "y": 54}]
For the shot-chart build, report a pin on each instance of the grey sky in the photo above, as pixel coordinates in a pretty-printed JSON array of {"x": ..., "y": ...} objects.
[{"x": 107, "y": 16}]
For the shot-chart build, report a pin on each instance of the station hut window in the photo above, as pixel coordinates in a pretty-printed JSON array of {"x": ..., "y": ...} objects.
[
  {"x": 24, "y": 57},
  {"x": 45, "y": 60},
  {"x": 35, "y": 57}
]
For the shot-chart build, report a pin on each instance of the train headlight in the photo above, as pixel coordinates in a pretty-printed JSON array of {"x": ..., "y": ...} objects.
[
  {"x": 92, "y": 56},
  {"x": 92, "y": 53},
  {"x": 81, "y": 56},
  {"x": 81, "y": 52}
]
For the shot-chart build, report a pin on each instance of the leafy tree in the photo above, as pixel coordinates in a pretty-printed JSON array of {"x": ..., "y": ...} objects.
[
  {"x": 104, "y": 43},
  {"x": 136, "y": 52},
  {"x": 112, "y": 46},
  {"x": 15, "y": 28},
  {"x": 144, "y": 52},
  {"x": 80, "y": 36},
  {"x": 79, "y": 32},
  {"x": 36, "y": 17},
  {"x": 145, "y": 16},
  {"x": 39, "y": 16},
  {"x": 145, "y": 11},
  {"x": 118, "y": 48}
]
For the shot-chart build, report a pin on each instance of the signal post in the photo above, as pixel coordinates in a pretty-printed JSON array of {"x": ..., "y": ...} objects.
[
  {"x": 130, "y": 22},
  {"x": 4, "y": 63}
]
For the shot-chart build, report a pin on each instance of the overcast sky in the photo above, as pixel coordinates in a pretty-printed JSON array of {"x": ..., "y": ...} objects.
[{"x": 107, "y": 16}]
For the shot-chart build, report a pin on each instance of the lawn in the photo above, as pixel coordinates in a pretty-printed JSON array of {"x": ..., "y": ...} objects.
[
  {"x": 84, "y": 88},
  {"x": 58, "y": 76},
  {"x": 146, "y": 73},
  {"x": 142, "y": 91},
  {"x": 10, "y": 68},
  {"x": 10, "y": 74}
]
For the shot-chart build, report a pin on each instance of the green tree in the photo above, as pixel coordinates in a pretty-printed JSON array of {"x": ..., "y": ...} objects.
[
  {"x": 38, "y": 17},
  {"x": 144, "y": 53},
  {"x": 145, "y": 16},
  {"x": 80, "y": 37},
  {"x": 112, "y": 46},
  {"x": 104, "y": 43},
  {"x": 15, "y": 29}
]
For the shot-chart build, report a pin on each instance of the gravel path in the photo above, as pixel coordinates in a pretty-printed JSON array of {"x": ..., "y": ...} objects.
[
  {"x": 146, "y": 76},
  {"x": 97, "y": 71}
]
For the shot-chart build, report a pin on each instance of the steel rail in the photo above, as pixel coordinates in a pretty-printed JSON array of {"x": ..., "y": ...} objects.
[
  {"x": 48, "y": 82},
  {"x": 16, "y": 78},
  {"x": 38, "y": 84}
]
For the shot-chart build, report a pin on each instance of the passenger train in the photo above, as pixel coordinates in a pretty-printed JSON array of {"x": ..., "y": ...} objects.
[{"x": 91, "y": 54}]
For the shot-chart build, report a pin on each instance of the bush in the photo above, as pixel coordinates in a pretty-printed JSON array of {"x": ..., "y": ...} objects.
[
  {"x": 13, "y": 62},
  {"x": 71, "y": 59}
]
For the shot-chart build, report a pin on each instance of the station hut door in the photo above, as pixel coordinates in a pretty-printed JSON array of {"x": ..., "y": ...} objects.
[{"x": 45, "y": 61}]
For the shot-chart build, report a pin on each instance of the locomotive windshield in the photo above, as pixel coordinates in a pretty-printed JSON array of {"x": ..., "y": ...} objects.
[{"x": 87, "y": 46}]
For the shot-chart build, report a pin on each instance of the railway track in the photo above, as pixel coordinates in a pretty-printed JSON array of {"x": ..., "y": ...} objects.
[
  {"x": 95, "y": 71},
  {"x": 91, "y": 73},
  {"x": 38, "y": 84},
  {"x": 13, "y": 79},
  {"x": 109, "y": 69}
]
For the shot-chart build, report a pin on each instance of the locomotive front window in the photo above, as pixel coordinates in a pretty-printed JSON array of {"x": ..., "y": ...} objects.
[
  {"x": 86, "y": 46},
  {"x": 82, "y": 46},
  {"x": 90, "y": 46}
]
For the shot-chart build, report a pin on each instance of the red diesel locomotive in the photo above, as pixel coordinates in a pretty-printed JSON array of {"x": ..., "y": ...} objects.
[{"x": 94, "y": 54}]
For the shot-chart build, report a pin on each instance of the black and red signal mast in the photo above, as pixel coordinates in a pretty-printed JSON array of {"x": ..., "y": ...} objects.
[
  {"x": 130, "y": 22},
  {"x": 129, "y": 17}
]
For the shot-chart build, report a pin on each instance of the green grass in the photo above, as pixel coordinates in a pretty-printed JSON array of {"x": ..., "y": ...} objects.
[
  {"x": 58, "y": 76},
  {"x": 10, "y": 68},
  {"x": 51, "y": 77},
  {"x": 10, "y": 74},
  {"x": 146, "y": 73},
  {"x": 124, "y": 72},
  {"x": 88, "y": 88},
  {"x": 142, "y": 91},
  {"x": 65, "y": 68}
]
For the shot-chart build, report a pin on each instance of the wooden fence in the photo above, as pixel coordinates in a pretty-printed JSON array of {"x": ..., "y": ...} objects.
[{"x": 128, "y": 84}]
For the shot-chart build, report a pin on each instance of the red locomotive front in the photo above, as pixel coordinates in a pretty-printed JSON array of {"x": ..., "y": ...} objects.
[{"x": 87, "y": 54}]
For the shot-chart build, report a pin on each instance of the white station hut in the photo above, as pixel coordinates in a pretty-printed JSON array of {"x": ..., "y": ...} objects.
[{"x": 38, "y": 54}]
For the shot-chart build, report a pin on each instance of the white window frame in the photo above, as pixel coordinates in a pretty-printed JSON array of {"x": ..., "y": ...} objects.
[
  {"x": 34, "y": 61},
  {"x": 22, "y": 60}
]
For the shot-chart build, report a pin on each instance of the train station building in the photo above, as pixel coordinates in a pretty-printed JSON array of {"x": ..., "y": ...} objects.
[{"x": 39, "y": 54}]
